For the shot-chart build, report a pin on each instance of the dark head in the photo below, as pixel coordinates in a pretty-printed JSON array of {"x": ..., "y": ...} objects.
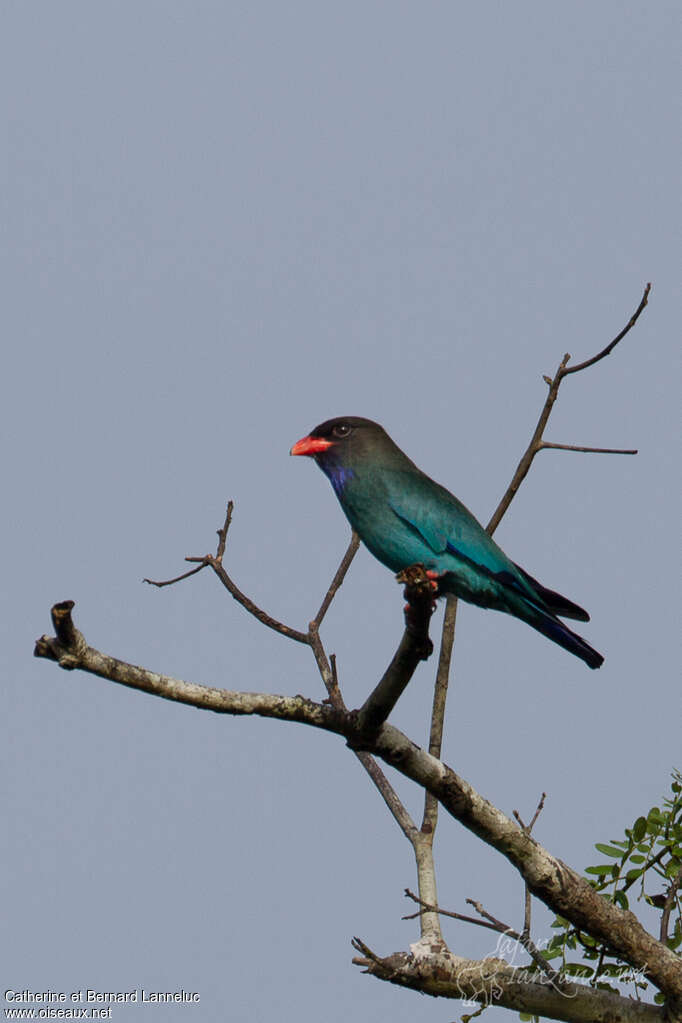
[
  {"x": 346, "y": 439},
  {"x": 342, "y": 446}
]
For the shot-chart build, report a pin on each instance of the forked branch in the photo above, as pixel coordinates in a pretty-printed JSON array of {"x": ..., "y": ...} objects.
[
  {"x": 537, "y": 444},
  {"x": 536, "y": 441}
]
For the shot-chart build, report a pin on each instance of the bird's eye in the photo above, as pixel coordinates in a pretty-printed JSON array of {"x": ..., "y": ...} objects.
[{"x": 341, "y": 430}]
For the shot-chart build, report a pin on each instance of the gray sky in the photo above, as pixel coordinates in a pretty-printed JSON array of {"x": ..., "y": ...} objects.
[{"x": 223, "y": 223}]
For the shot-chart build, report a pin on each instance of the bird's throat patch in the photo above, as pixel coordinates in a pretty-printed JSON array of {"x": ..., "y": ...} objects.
[{"x": 339, "y": 475}]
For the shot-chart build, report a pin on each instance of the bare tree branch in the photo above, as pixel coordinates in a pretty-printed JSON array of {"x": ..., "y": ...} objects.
[
  {"x": 426, "y": 867},
  {"x": 388, "y": 794},
  {"x": 326, "y": 666},
  {"x": 338, "y": 578},
  {"x": 328, "y": 673},
  {"x": 442, "y": 676},
  {"x": 619, "y": 337},
  {"x": 554, "y": 384},
  {"x": 263, "y": 617},
  {"x": 222, "y": 540},
  {"x": 548, "y": 878},
  {"x": 327, "y": 669},
  {"x": 222, "y": 532},
  {"x": 528, "y": 828},
  {"x": 537, "y": 443},
  {"x": 215, "y": 561},
  {"x": 523, "y": 939},
  {"x": 446, "y": 912},
  {"x": 178, "y": 578},
  {"x": 538, "y": 810},
  {"x": 493, "y": 925},
  {"x": 545, "y": 444},
  {"x": 366, "y": 733},
  {"x": 415, "y": 646},
  {"x": 495, "y": 982},
  {"x": 673, "y": 887},
  {"x": 70, "y": 650}
]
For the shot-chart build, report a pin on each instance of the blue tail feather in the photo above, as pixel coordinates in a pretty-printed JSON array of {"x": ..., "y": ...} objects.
[{"x": 555, "y": 630}]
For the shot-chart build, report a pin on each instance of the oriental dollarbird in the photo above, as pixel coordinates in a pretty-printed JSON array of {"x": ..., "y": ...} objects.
[{"x": 404, "y": 518}]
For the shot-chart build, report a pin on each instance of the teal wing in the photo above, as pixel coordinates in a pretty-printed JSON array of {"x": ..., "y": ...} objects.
[
  {"x": 443, "y": 521},
  {"x": 476, "y": 568},
  {"x": 458, "y": 541}
]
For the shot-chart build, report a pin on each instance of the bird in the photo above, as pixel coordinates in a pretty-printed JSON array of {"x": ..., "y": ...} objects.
[{"x": 404, "y": 517}]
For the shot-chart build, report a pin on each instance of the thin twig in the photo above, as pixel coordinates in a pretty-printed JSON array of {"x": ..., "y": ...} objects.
[
  {"x": 335, "y": 674},
  {"x": 596, "y": 451},
  {"x": 499, "y": 926},
  {"x": 440, "y": 692},
  {"x": 444, "y": 912},
  {"x": 669, "y": 899},
  {"x": 527, "y": 905},
  {"x": 523, "y": 939},
  {"x": 527, "y": 910},
  {"x": 178, "y": 578},
  {"x": 263, "y": 617},
  {"x": 647, "y": 866},
  {"x": 388, "y": 794},
  {"x": 360, "y": 946},
  {"x": 492, "y": 925},
  {"x": 327, "y": 669},
  {"x": 170, "y": 582},
  {"x": 222, "y": 533},
  {"x": 442, "y": 676},
  {"x": 338, "y": 578},
  {"x": 619, "y": 337},
  {"x": 324, "y": 667},
  {"x": 554, "y": 384},
  {"x": 538, "y": 811},
  {"x": 222, "y": 540},
  {"x": 215, "y": 561}
]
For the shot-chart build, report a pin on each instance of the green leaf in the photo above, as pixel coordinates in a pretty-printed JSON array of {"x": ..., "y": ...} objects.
[
  {"x": 608, "y": 850},
  {"x": 603, "y": 986},
  {"x": 638, "y": 859},
  {"x": 578, "y": 970},
  {"x": 621, "y": 899},
  {"x": 639, "y": 829},
  {"x": 602, "y": 868},
  {"x": 632, "y": 875}
]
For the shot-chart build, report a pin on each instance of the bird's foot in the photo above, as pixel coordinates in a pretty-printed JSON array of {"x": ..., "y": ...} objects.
[{"x": 434, "y": 579}]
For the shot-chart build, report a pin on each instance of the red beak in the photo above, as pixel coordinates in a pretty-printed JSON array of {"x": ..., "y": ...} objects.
[{"x": 310, "y": 446}]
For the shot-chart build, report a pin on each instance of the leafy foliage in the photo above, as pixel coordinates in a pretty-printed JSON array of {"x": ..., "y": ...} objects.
[{"x": 646, "y": 863}]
